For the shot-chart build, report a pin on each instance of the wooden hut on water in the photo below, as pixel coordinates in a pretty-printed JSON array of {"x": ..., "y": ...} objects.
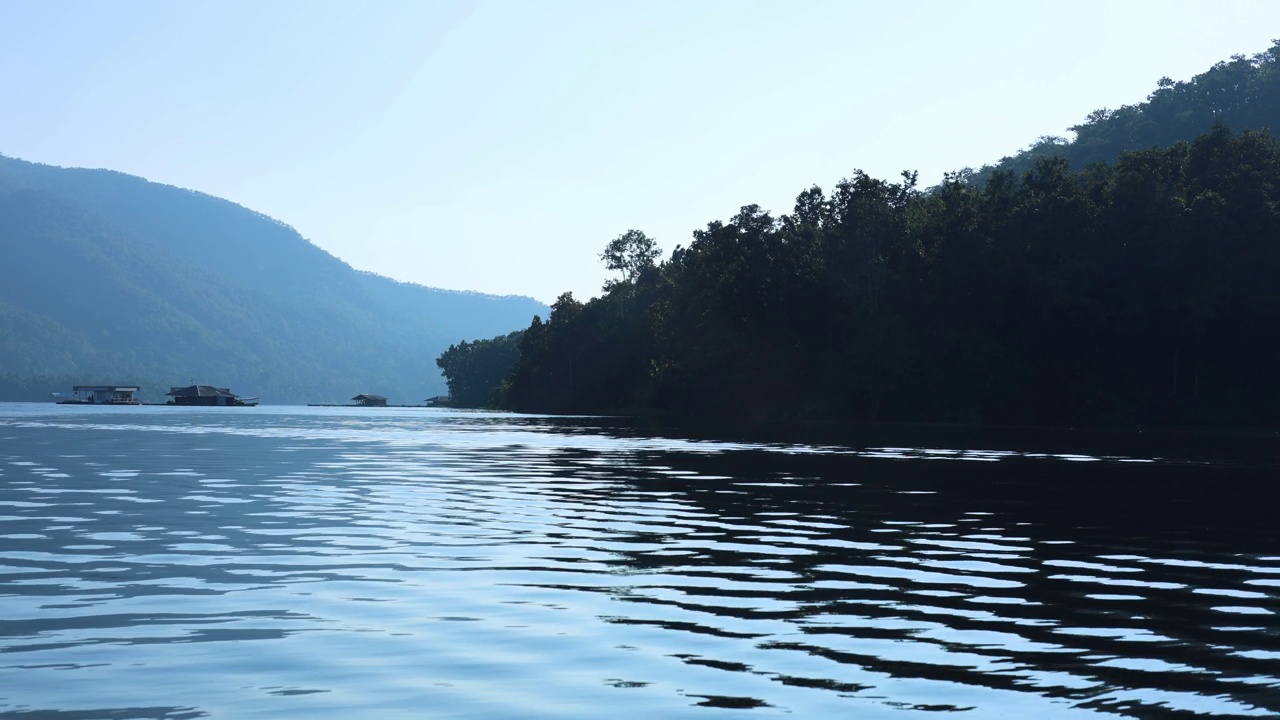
[{"x": 207, "y": 395}]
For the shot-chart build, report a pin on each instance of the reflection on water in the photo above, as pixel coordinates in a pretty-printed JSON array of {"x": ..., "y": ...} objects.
[{"x": 277, "y": 562}]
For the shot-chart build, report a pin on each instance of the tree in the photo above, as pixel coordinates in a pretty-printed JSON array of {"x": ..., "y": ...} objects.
[{"x": 632, "y": 253}]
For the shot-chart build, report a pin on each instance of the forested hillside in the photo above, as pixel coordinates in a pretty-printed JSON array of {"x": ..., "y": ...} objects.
[
  {"x": 1242, "y": 93},
  {"x": 1139, "y": 290},
  {"x": 106, "y": 277}
]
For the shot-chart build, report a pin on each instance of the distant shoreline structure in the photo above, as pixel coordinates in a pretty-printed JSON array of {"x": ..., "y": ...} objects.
[
  {"x": 369, "y": 400},
  {"x": 99, "y": 395},
  {"x": 207, "y": 396},
  {"x": 191, "y": 396},
  {"x": 212, "y": 396},
  {"x": 357, "y": 405}
]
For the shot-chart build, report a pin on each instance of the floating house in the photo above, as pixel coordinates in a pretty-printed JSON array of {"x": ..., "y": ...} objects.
[
  {"x": 439, "y": 401},
  {"x": 207, "y": 395},
  {"x": 367, "y": 400},
  {"x": 99, "y": 395}
]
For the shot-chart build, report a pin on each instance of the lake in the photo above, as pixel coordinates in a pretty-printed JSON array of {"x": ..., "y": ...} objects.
[{"x": 285, "y": 562}]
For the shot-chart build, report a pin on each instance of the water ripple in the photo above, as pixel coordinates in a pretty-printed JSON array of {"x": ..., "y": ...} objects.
[{"x": 164, "y": 563}]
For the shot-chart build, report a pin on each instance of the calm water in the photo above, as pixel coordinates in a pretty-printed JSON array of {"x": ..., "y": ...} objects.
[{"x": 322, "y": 562}]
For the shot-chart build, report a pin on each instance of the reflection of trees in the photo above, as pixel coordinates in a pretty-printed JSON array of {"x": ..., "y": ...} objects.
[{"x": 1049, "y": 527}]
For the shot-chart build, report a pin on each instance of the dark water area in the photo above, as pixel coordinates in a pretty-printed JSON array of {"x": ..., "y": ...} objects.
[{"x": 332, "y": 562}]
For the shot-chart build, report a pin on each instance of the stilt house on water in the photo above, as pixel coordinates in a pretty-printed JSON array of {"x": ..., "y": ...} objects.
[
  {"x": 367, "y": 400},
  {"x": 207, "y": 395}
]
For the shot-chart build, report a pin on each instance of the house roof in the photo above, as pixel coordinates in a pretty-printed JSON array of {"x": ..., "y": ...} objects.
[
  {"x": 367, "y": 396},
  {"x": 200, "y": 391},
  {"x": 113, "y": 388}
]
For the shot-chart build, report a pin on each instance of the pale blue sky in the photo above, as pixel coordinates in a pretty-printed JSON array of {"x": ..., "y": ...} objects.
[{"x": 497, "y": 146}]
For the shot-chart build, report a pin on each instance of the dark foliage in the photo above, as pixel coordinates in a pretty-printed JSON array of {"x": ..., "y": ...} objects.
[
  {"x": 1127, "y": 276},
  {"x": 1139, "y": 291},
  {"x": 476, "y": 371}
]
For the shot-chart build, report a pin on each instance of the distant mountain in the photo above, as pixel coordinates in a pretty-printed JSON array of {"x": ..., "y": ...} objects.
[
  {"x": 106, "y": 277},
  {"x": 1242, "y": 93}
]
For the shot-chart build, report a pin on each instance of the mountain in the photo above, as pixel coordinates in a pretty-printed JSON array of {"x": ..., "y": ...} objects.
[{"x": 106, "y": 277}]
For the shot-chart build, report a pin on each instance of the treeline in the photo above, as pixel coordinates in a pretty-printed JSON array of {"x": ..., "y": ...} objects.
[
  {"x": 477, "y": 371},
  {"x": 1144, "y": 290}
]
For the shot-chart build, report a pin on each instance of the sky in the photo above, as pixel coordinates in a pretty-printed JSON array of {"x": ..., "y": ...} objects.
[{"x": 498, "y": 146}]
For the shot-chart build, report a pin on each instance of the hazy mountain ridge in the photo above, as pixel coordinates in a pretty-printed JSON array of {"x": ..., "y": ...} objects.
[{"x": 108, "y": 277}]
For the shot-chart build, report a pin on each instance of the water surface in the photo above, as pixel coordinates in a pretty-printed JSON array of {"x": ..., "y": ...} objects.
[{"x": 164, "y": 562}]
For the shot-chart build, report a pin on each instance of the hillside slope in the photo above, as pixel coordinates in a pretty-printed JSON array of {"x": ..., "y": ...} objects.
[
  {"x": 1242, "y": 93},
  {"x": 106, "y": 277},
  {"x": 1125, "y": 279}
]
